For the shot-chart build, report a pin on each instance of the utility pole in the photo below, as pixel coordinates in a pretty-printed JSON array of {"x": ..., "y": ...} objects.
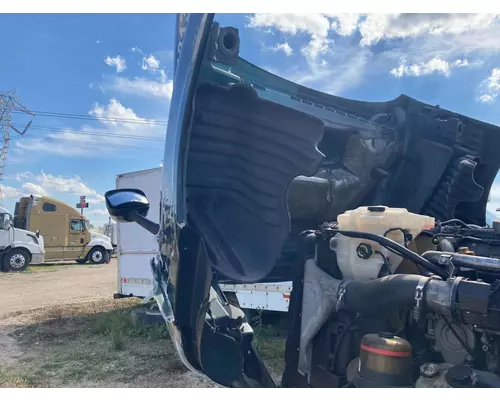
[{"x": 9, "y": 104}]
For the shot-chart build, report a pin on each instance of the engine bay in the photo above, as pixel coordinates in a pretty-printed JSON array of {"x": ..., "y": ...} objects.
[{"x": 395, "y": 300}]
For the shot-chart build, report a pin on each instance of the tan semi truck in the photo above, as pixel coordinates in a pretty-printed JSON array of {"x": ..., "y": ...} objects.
[{"x": 66, "y": 233}]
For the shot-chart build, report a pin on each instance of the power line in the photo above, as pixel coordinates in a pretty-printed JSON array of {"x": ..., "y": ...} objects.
[
  {"x": 98, "y": 144},
  {"x": 97, "y": 118},
  {"x": 94, "y": 133}
]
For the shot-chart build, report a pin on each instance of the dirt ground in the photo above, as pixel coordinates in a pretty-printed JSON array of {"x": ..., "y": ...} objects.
[
  {"x": 55, "y": 284},
  {"x": 60, "y": 327}
]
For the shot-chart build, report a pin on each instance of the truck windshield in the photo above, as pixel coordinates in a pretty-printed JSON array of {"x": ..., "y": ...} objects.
[{"x": 5, "y": 221}]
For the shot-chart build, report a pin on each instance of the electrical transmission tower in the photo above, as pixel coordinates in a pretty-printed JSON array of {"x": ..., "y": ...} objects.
[{"x": 9, "y": 104}]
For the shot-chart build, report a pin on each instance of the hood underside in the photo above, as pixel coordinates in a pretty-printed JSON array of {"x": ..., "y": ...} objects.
[{"x": 262, "y": 166}]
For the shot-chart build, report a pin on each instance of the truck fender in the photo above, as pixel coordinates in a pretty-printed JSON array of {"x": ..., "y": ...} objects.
[
  {"x": 5, "y": 250},
  {"x": 99, "y": 242}
]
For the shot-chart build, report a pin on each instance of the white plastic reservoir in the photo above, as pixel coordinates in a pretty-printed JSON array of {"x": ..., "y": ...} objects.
[{"x": 378, "y": 220}]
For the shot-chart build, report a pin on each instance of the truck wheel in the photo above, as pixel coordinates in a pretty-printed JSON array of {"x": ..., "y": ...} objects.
[
  {"x": 16, "y": 260},
  {"x": 97, "y": 255}
]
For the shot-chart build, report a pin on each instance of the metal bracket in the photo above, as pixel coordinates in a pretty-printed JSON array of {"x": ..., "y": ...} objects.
[{"x": 224, "y": 44}]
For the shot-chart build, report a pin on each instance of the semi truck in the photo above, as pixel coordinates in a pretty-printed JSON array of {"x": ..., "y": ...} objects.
[
  {"x": 18, "y": 247},
  {"x": 110, "y": 231},
  {"x": 135, "y": 248},
  {"x": 66, "y": 232}
]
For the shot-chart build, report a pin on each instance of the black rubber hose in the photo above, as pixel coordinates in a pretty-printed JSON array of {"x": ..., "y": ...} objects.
[
  {"x": 391, "y": 244},
  {"x": 383, "y": 294},
  {"x": 484, "y": 264},
  {"x": 454, "y": 221},
  {"x": 487, "y": 379}
]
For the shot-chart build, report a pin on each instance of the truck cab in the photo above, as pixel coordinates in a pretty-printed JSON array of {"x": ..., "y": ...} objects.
[
  {"x": 66, "y": 231},
  {"x": 18, "y": 247},
  {"x": 110, "y": 230}
]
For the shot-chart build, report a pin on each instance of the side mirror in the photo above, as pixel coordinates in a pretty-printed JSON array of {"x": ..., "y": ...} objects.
[
  {"x": 37, "y": 233},
  {"x": 122, "y": 203},
  {"x": 130, "y": 205}
]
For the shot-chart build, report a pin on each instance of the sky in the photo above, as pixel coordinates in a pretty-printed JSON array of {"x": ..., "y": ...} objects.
[{"x": 112, "y": 73}]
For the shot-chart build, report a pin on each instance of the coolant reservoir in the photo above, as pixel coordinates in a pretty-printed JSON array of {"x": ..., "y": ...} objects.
[{"x": 362, "y": 259}]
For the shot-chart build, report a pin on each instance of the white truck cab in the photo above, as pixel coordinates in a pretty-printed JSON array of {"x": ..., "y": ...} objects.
[{"x": 18, "y": 247}]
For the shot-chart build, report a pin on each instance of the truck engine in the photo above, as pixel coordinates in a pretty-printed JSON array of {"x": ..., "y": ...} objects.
[{"x": 387, "y": 298}]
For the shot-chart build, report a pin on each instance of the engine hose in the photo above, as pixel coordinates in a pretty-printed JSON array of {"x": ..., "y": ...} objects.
[
  {"x": 392, "y": 245},
  {"x": 487, "y": 379},
  {"x": 446, "y": 245},
  {"x": 387, "y": 293},
  {"x": 483, "y": 264}
]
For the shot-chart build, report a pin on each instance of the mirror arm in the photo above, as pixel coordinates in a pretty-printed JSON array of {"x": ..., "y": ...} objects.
[{"x": 147, "y": 224}]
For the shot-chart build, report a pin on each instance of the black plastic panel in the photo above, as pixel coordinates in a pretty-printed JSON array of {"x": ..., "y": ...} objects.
[{"x": 243, "y": 153}]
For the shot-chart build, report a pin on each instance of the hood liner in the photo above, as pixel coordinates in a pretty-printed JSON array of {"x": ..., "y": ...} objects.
[{"x": 244, "y": 153}]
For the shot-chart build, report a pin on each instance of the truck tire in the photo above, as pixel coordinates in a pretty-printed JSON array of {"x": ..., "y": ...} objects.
[
  {"x": 16, "y": 260},
  {"x": 97, "y": 255}
]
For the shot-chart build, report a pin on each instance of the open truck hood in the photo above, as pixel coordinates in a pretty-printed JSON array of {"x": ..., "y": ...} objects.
[{"x": 252, "y": 159}]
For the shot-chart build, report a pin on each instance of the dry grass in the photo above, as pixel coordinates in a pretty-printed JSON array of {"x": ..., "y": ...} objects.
[{"x": 95, "y": 344}]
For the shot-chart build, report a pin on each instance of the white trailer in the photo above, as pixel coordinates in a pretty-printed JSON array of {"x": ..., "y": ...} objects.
[{"x": 136, "y": 247}]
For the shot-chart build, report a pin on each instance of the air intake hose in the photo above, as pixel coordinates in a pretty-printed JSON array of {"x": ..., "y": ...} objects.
[{"x": 394, "y": 291}]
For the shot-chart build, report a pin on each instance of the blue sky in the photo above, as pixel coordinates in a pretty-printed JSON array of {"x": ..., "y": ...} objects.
[{"x": 120, "y": 66}]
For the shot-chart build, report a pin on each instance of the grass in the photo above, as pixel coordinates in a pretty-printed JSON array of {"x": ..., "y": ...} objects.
[{"x": 97, "y": 344}]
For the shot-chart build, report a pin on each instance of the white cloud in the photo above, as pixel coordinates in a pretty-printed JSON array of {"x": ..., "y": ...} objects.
[
  {"x": 316, "y": 26},
  {"x": 339, "y": 45},
  {"x": 329, "y": 69},
  {"x": 118, "y": 62},
  {"x": 35, "y": 189},
  {"x": 284, "y": 47},
  {"x": 22, "y": 176},
  {"x": 461, "y": 63},
  {"x": 9, "y": 191},
  {"x": 344, "y": 24},
  {"x": 114, "y": 112},
  {"x": 150, "y": 63},
  {"x": 377, "y": 27},
  {"x": 317, "y": 46},
  {"x": 48, "y": 183},
  {"x": 434, "y": 65},
  {"x": 313, "y": 24},
  {"x": 141, "y": 87},
  {"x": 489, "y": 89}
]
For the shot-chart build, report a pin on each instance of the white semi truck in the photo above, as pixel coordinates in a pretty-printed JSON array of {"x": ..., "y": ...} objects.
[
  {"x": 18, "y": 247},
  {"x": 136, "y": 247}
]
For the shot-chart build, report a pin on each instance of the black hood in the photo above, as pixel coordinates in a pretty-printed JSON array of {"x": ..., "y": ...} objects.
[
  {"x": 267, "y": 158},
  {"x": 251, "y": 160}
]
